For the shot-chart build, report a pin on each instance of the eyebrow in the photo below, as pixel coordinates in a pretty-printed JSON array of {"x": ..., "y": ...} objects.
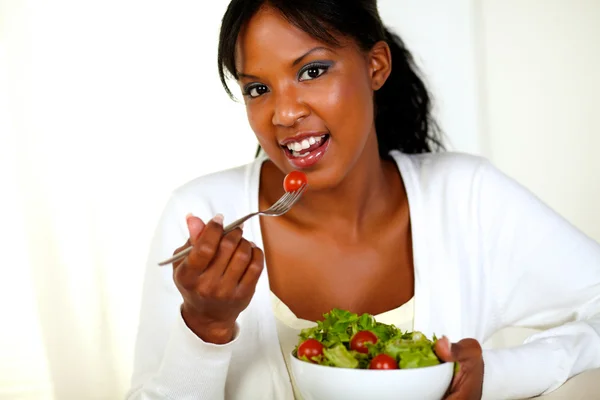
[
  {"x": 296, "y": 61},
  {"x": 302, "y": 57}
]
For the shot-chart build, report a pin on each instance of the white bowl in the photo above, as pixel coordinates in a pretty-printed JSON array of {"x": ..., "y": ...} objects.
[{"x": 317, "y": 382}]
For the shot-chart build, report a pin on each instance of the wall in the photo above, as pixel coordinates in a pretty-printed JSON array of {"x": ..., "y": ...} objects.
[
  {"x": 441, "y": 35},
  {"x": 540, "y": 62},
  {"x": 542, "y": 80}
]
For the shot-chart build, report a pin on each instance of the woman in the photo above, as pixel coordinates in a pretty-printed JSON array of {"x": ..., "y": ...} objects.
[{"x": 432, "y": 241}]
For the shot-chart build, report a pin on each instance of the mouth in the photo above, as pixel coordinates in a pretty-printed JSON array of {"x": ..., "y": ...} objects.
[
  {"x": 303, "y": 147},
  {"x": 306, "y": 151}
]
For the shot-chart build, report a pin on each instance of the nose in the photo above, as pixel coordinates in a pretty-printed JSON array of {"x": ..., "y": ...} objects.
[{"x": 289, "y": 108}]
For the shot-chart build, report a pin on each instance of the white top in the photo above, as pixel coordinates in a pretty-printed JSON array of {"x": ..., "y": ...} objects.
[
  {"x": 289, "y": 327},
  {"x": 487, "y": 255}
]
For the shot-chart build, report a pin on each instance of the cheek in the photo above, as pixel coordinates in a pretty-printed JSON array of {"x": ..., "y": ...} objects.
[
  {"x": 349, "y": 106},
  {"x": 260, "y": 122}
]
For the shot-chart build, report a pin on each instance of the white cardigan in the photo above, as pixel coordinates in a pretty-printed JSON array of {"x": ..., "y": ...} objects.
[{"x": 487, "y": 255}]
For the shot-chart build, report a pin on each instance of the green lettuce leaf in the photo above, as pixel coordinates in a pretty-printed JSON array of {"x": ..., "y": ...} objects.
[
  {"x": 410, "y": 349},
  {"x": 339, "y": 356}
]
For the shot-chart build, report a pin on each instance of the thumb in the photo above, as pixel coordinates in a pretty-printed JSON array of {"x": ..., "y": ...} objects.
[
  {"x": 443, "y": 349},
  {"x": 465, "y": 350},
  {"x": 195, "y": 227}
]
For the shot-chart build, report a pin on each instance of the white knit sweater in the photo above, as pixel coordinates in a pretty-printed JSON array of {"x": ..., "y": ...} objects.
[{"x": 487, "y": 255}]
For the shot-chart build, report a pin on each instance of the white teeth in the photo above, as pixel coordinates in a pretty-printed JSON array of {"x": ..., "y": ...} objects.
[{"x": 296, "y": 147}]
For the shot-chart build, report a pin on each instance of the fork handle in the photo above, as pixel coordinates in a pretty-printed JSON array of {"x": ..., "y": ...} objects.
[
  {"x": 238, "y": 222},
  {"x": 183, "y": 253},
  {"x": 176, "y": 257}
]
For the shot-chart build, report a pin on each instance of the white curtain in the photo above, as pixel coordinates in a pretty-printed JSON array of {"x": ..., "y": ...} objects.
[{"x": 105, "y": 107}]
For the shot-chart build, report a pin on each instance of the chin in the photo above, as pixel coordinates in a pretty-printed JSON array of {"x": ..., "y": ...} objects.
[
  {"x": 323, "y": 179},
  {"x": 325, "y": 174}
]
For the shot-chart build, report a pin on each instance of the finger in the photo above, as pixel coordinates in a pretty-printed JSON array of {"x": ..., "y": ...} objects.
[
  {"x": 227, "y": 249},
  {"x": 468, "y": 388},
  {"x": 177, "y": 250},
  {"x": 467, "y": 356},
  {"x": 237, "y": 266},
  {"x": 466, "y": 350},
  {"x": 206, "y": 246},
  {"x": 195, "y": 227},
  {"x": 185, "y": 277},
  {"x": 248, "y": 282},
  {"x": 443, "y": 349}
]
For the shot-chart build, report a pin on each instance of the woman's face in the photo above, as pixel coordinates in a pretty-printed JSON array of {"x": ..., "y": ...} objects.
[{"x": 309, "y": 104}]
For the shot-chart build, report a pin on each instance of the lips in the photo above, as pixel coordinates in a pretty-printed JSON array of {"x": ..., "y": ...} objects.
[{"x": 304, "y": 151}]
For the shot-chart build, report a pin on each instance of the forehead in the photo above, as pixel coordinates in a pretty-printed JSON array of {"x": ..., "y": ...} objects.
[{"x": 270, "y": 38}]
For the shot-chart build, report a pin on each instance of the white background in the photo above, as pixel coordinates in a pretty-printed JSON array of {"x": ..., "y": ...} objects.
[{"x": 107, "y": 106}]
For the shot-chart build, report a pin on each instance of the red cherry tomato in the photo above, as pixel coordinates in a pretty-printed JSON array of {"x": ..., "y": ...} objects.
[
  {"x": 360, "y": 340},
  {"x": 383, "y": 361},
  {"x": 294, "y": 180},
  {"x": 310, "y": 348}
]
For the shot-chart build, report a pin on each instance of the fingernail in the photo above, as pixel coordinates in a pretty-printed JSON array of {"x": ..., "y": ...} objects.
[
  {"x": 241, "y": 226},
  {"x": 187, "y": 220},
  {"x": 219, "y": 218},
  {"x": 253, "y": 244}
]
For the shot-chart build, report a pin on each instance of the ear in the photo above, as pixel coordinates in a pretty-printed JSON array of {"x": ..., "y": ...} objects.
[{"x": 380, "y": 64}]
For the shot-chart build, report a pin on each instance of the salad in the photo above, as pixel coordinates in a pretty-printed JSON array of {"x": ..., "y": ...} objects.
[{"x": 346, "y": 340}]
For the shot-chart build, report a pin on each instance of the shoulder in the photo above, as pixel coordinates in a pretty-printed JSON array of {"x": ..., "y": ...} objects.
[
  {"x": 458, "y": 174},
  {"x": 463, "y": 189},
  {"x": 443, "y": 163},
  {"x": 451, "y": 172}
]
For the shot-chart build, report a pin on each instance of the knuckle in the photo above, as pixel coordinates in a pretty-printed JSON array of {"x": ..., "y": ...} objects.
[
  {"x": 229, "y": 243},
  {"x": 256, "y": 267},
  {"x": 222, "y": 294},
  {"x": 206, "y": 289},
  {"x": 467, "y": 349},
  {"x": 246, "y": 293},
  {"x": 258, "y": 255},
  {"x": 183, "y": 281},
  {"x": 472, "y": 343},
  {"x": 243, "y": 254},
  {"x": 205, "y": 249},
  {"x": 258, "y": 258}
]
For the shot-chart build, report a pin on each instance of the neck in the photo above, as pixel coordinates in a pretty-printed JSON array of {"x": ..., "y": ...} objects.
[{"x": 367, "y": 194}]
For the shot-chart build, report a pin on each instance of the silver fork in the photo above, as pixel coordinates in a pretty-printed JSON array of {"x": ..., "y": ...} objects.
[{"x": 280, "y": 207}]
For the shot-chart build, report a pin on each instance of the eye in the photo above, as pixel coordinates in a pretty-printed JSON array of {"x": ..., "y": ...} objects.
[
  {"x": 313, "y": 71},
  {"x": 255, "y": 91}
]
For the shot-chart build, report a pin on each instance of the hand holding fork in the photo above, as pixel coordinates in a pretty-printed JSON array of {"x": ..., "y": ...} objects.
[
  {"x": 217, "y": 279},
  {"x": 280, "y": 207}
]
